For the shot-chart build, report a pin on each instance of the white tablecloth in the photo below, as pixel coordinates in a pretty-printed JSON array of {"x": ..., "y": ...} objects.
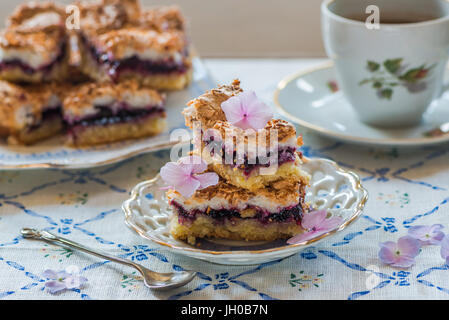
[{"x": 407, "y": 187}]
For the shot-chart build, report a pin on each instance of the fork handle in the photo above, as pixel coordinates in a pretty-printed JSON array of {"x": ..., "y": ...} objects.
[{"x": 50, "y": 237}]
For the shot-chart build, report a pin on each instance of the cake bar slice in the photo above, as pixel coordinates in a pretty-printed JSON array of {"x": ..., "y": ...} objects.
[
  {"x": 152, "y": 48},
  {"x": 29, "y": 113},
  {"x": 34, "y": 47},
  {"x": 248, "y": 159},
  {"x": 205, "y": 110},
  {"x": 229, "y": 212},
  {"x": 254, "y": 161},
  {"x": 101, "y": 113}
]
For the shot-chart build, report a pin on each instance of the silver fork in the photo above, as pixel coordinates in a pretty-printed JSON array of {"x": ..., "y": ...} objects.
[{"x": 153, "y": 280}]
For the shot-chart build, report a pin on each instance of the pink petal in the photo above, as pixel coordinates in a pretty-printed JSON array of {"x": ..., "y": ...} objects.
[
  {"x": 427, "y": 234},
  {"x": 173, "y": 174},
  {"x": 243, "y": 123},
  {"x": 436, "y": 233},
  {"x": 403, "y": 262},
  {"x": 246, "y": 111},
  {"x": 233, "y": 109},
  {"x": 50, "y": 274},
  {"x": 313, "y": 219},
  {"x": 408, "y": 246},
  {"x": 330, "y": 224},
  {"x": 436, "y": 228},
  {"x": 55, "y": 286},
  {"x": 74, "y": 282},
  {"x": 418, "y": 232},
  {"x": 387, "y": 252},
  {"x": 188, "y": 187},
  {"x": 193, "y": 164},
  {"x": 445, "y": 249},
  {"x": 258, "y": 114},
  {"x": 207, "y": 179},
  {"x": 302, "y": 237}
]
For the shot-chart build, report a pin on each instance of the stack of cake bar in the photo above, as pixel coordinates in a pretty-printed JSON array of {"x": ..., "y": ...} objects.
[
  {"x": 97, "y": 81},
  {"x": 249, "y": 202}
]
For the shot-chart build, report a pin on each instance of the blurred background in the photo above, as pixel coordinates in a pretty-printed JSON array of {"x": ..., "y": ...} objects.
[{"x": 244, "y": 28}]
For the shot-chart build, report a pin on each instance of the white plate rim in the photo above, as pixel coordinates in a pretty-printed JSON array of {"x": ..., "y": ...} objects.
[
  {"x": 195, "y": 252},
  {"x": 415, "y": 142},
  {"x": 50, "y": 165}
]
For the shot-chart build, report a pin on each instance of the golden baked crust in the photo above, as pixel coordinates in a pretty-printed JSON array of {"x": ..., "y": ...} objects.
[
  {"x": 283, "y": 192},
  {"x": 31, "y": 98},
  {"x": 36, "y": 36},
  {"x": 82, "y": 96},
  {"x": 37, "y": 16},
  {"x": 284, "y": 131},
  {"x": 118, "y": 42},
  {"x": 99, "y": 16},
  {"x": 35, "y": 27},
  {"x": 207, "y": 108},
  {"x": 163, "y": 19},
  {"x": 45, "y": 44}
]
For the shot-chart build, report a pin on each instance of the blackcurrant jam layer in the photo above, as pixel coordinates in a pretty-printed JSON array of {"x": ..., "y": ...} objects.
[
  {"x": 134, "y": 64},
  {"x": 25, "y": 68},
  {"x": 285, "y": 154},
  {"x": 288, "y": 214}
]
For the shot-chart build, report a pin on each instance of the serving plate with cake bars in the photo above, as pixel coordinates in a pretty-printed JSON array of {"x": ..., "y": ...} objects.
[
  {"x": 53, "y": 153},
  {"x": 331, "y": 188}
]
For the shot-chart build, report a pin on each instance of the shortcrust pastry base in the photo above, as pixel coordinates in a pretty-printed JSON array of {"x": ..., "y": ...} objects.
[
  {"x": 235, "y": 229},
  {"x": 116, "y": 132},
  {"x": 47, "y": 129}
]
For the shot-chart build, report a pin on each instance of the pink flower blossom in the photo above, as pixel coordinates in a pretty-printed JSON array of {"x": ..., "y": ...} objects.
[
  {"x": 184, "y": 176},
  {"x": 401, "y": 254},
  {"x": 427, "y": 235},
  {"x": 63, "y": 280},
  {"x": 316, "y": 224},
  {"x": 445, "y": 249},
  {"x": 246, "y": 111}
]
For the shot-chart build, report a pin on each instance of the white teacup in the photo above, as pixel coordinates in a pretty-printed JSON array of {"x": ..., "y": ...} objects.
[{"x": 389, "y": 72}]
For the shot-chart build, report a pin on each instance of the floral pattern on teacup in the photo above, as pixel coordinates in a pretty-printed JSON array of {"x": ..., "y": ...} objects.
[{"x": 392, "y": 73}]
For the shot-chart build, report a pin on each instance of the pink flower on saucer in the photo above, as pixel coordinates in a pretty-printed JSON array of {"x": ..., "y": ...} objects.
[
  {"x": 401, "y": 254},
  {"x": 185, "y": 176},
  {"x": 316, "y": 224},
  {"x": 246, "y": 111}
]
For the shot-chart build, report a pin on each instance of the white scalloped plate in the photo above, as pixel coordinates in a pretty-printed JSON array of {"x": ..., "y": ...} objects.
[
  {"x": 53, "y": 154},
  {"x": 333, "y": 188}
]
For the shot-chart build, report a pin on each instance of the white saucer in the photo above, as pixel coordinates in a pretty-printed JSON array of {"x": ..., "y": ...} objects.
[
  {"x": 312, "y": 100},
  {"x": 331, "y": 188}
]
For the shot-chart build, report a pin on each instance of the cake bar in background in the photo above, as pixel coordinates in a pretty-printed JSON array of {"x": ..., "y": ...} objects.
[
  {"x": 118, "y": 41},
  {"x": 35, "y": 46},
  {"x": 29, "y": 113},
  {"x": 102, "y": 113}
]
